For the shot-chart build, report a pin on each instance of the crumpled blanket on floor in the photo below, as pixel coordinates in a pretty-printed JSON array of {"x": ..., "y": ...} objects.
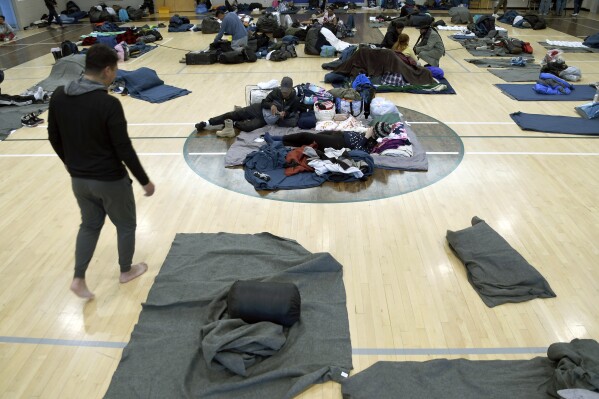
[
  {"x": 144, "y": 84},
  {"x": 567, "y": 365},
  {"x": 165, "y": 357}
]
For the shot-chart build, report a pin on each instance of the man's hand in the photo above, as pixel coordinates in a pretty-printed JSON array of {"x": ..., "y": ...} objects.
[
  {"x": 273, "y": 109},
  {"x": 282, "y": 114},
  {"x": 149, "y": 189}
]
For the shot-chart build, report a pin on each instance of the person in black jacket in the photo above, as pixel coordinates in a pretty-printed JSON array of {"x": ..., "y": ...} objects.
[
  {"x": 393, "y": 32},
  {"x": 52, "y": 14},
  {"x": 280, "y": 107},
  {"x": 88, "y": 131}
]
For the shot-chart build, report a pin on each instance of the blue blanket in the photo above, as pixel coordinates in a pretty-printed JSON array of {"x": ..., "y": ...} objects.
[
  {"x": 556, "y": 124},
  {"x": 525, "y": 92},
  {"x": 144, "y": 84}
]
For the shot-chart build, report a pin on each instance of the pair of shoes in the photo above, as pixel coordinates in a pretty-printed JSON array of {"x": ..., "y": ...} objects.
[
  {"x": 575, "y": 14},
  {"x": 31, "y": 120},
  {"x": 228, "y": 131}
]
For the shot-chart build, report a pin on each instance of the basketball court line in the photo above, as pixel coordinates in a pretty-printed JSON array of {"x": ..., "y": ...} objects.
[{"x": 355, "y": 351}]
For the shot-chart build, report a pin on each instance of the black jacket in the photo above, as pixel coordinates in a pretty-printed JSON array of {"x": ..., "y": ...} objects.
[
  {"x": 89, "y": 134},
  {"x": 289, "y": 105}
]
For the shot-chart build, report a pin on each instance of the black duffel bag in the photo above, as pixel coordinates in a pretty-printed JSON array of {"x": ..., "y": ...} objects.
[
  {"x": 222, "y": 45},
  {"x": 231, "y": 57}
]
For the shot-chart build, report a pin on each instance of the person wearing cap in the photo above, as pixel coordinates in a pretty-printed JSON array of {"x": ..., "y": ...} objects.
[
  {"x": 354, "y": 140},
  {"x": 429, "y": 46},
  {"x": 281, "y": 107}
]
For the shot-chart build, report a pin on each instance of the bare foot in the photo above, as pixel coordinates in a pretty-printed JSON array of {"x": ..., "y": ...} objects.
[
  {"x": 80, "y": 289},
  {"x": 136, "y": 271}
]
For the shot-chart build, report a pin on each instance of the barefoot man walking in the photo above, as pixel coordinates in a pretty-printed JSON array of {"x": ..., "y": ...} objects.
[{"x": 88, "y": 130}]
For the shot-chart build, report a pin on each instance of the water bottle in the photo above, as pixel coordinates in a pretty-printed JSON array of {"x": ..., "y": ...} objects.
[{"x": 596, "y": 97}]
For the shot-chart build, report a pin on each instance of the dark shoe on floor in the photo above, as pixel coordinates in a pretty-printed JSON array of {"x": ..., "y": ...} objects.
[
  {"x": 31, "y": 120},
  {"x": 200, "y": 126}
]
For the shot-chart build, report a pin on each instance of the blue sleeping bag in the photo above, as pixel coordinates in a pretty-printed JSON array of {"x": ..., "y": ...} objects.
[{"x": 552, "y": 85}]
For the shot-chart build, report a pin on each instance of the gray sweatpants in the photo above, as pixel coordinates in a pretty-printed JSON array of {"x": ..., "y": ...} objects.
[{"x": 97, "y": 199}]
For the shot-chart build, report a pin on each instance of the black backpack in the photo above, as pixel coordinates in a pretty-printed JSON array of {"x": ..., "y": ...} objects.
[
  {"x": 210, "y": 25},
  {"x": 222, "y": 46},
  {"x": 68, "y": 47},
  {"x": 267, "y": 23},
  {"x": 484, "y": 25},
  {"x": 249, "y": 54}
]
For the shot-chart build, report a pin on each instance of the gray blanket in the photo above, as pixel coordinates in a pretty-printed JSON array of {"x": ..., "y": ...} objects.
[
  {"x": 166, "y": 357},
  {"x": 496, "y": 271},
  {"x": 10, "y": 117},
  {"x": 501, "y": 63},
  {"x": 567, "y": 49},
  {"x": 65, "y": 70},
  {"x": 452, "y": 379},
  {"x": 567, "y": 365},
  {"x": 518, "y": 74}
]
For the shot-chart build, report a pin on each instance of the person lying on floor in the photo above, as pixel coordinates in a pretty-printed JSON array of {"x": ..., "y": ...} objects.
[
  {"x": 281, "y": 108},
  {"x": 6, "y": 31},
  {"x": 363, "y": 141},
  {"x": 429, "y": 46},
  {"x": 27, "y": 98},
  {"x": 395, "y": 29}
]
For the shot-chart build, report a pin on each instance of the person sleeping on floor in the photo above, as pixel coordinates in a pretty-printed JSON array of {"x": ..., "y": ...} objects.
[{"x": 367, "y": 141}]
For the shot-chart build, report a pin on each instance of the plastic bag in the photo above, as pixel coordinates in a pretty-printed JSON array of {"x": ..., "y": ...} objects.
[{"x": 381, "y": 106}]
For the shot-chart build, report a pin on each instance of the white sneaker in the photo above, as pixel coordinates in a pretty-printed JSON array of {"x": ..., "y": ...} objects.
[{"x": 495, "y": 15}]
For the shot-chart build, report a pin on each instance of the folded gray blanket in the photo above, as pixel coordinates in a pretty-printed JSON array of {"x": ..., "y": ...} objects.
[{"x": 496, "y": 271}]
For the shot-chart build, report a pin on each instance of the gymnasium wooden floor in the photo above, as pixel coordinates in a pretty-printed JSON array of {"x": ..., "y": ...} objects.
[{"x": 408, "y": 296}]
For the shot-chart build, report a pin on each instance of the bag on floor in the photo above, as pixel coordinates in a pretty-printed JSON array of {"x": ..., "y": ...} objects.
[
  {"x": 310, "y": 93},
  {"x": 324, "y": 110},
  {"x": 380, "y": 106},
  {"x": 222, "y": 45},
  {"x": 231, "y": 57},
  {"x": 526, "y": 48},
  {"x": 68, "y": 47},
  {"x": 257, "y": 301},
  {"x": 327, "y": 51},
  {"x": 210, "y": 25},
  {"x": 201, "y": 57},
  {"x": 249, "y": 55},
  {"x": 347, "y": 106}
]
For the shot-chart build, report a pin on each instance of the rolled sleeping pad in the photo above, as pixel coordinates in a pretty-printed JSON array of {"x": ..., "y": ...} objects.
[{"x": 256, "y": 301}]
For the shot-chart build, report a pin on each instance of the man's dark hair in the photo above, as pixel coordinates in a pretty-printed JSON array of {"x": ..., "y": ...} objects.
[
  {"x": 2, "y": 16},
  {"x": 219, "y": 13},
  {"x": 398, "y": 24},
  {"x": 98, "y": 57}
]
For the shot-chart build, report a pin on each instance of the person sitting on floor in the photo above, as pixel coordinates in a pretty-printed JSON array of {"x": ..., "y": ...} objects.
[
  {"x": 393, "y": 32},
  {"x": 281, "y": 107},
  {"x": 6, "y": 31},
  {"x": 232, "y": 25},
  {"x": 429, "y": 46},
  {"x": 402, "y": 46},
  {"x": 363, "y": 141},
  {"x": 328, "y": 17}
]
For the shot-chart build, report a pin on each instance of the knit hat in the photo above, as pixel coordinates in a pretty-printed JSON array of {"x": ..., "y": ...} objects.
[
  {"x": 286, "y": 84},
  {"x": 381, "y": 129}
]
